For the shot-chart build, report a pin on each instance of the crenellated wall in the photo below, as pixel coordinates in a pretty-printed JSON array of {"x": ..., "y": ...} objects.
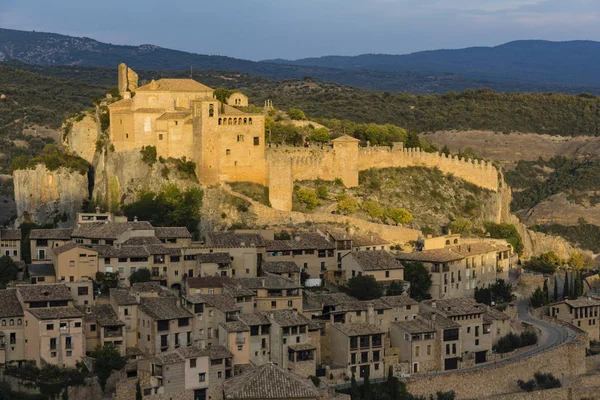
[{"x": 345, "y": 160}]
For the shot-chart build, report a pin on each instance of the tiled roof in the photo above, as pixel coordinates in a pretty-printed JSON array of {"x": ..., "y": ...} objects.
[
  {"x": 434, "y": 256},
  {"x": 235, "y": 326},
  {"x": 162, "y": 308},
  {"x": 122, "y": 297},
  {"x": 300, "y": 241},
  {"x": 476, "y": 248},
  {"x": 55, "y": 312},
  {"x": 358, "y": 305},
  {"x": 171, "y": 357},
  {"x": 175, "y": 85},
  {"x": 254, "y": 319},
  {"x": 57, "y": 234},
  {"x": 194, "y": 298},
  {"x": 174, "y": 115},
  {"x": 216, "y": 258},
  {"x": 69, "y": 246},
  {"x": 208, "y": 282},
  {"x": 267, "y": 282},
  {"x": 345, "y": 138},
  {"x": 141, "y": 240},
  {"x": 376, "y": 260},
  {"x": 48, "y": 292},
  {"x": 10, "y": 234},
  {"x": 302, "y": 346},
  {"x": 358, "y": 239},
  {"x": 280, "y": 267},
  {"x": 102, "y": 314},
  {"x": 231, "y": 239},
  {"x": 109, "y": 230},
  {"x": 172, "y": 232},
  {"x": 269, "y": 381},
  {"x": 583, "y": 302},
  {"x": 216, "y": 352},
  {"x": 237, "y": 290},
  {"x": 456, "y": 306},
  {"x": 151, "y": 287},
  {"x": 41, "y": 270},
  {"x": 223, "y": 302},
  {"x": 327, "y": 299},
  {"x": 359, "y": 328},
  {"x": 190, "y": 352},
  {"x": 437, "y": 318},
  {"x": 400, "y": 301},
  {"x": 491, "y": 315},
  {"x": 122, "y": 252},
  {"x": 418, "y": 325},
  {"x": 10, "y": 306},
  {"x": 286, "y": 317}
]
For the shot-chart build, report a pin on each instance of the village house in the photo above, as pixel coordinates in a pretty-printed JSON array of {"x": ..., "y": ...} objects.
[
  {"x": 234, "y": 336},
  {"x": 259, "y": 340},
  {"x": 582, "y": 312},
  {"x": 377, "y": 263},
  {"x": 12, "y": 341},
  {"x": 10, "y": 243},
  {"x": 285, "y": 269},
  {"x": 246, "y": 250},
  {"x": 358, "y": 348},
  {"x": 101, "y": 326},
  {"x": 41, "y": 241},
  {"x": 209, "y": 310},
  {"x": 41, "y": 273},
  {"x": 215, "y": 264},
  {"x": 273, "y": 292}
]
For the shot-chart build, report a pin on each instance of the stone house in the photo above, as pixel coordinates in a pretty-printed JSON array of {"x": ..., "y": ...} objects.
[
  {"x": 358, "y": 348},
  {"x": 173, "y": 235},
  {"x": 310, "y": 251},
  {"x": 74, "y": 262},
  {"x": 215, "y": 264},
  {"x": 43, "y": 240},
  {"x": 41, "y": 273},
  {"x": 498, "y": 324},
  {"x": 379, "y": 264},
  {"x": 418, "y": 343},
  {"x": 125, "y": 306},
  {"x": 285, "y": 269},
  {"x": 209, "y": 311},
  {"x": 12, "y": 340},
  {"x": 164, "y": 325},
  {"x": 247, "y": 250},
  {"x": 404, "y": 308},
  {"x": 234, "y": 336},
  {"x": 272, "y": 292},
  {"x": 10, "y": 243},
  {"x": 53, "y": 326},
  {"x": 291, "y": 347},
  {"x": 259, "y": 340},
  {"x": 101, "y": 325},
  {"x": 582, "y": 312}
]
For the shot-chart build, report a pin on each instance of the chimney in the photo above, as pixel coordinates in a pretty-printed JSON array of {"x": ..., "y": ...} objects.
[
  {"x": 135, "y": 218},
  {"x": 449, "y": 232},
  {"x": 97, "y": 209},
  {"x": 88, "y": 310},
  {"x": 433, "y": 304}
]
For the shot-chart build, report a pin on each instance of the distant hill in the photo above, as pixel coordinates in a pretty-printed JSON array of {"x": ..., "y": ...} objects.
[
  {"x": 50, "y": 49},
  {"x": 572, "y": 63}
]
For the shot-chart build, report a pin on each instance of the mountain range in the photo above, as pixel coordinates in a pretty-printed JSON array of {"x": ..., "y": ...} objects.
[{"x": 526, "y": 66}]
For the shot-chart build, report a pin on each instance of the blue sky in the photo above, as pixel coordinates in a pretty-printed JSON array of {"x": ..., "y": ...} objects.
[{"x": 261, "y": 29}]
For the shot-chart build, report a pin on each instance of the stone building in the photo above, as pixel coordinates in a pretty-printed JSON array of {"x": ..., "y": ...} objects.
[
  {"x": 582, "y": 312},
  {"x": 247, "y": 251},
  {"x": 10, "y": 243},
  {"x": 181, "y": 118},
  {"x": 285, "y": 269},
  {"x": 359, "y": 349},
  {"x": 12, "y": 340},
  {"x": 101, "y": 326},
  {"x": 259, "y": 340},
  {"x": 273, "y": 292},
  {"x": 44, "y": 240},
  {"x": 377, "y": 263}
]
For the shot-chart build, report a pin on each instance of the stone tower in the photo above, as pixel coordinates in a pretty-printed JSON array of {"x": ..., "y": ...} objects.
[
  {"x": 345, "y": 149},
  {"x": 128, "y": 80}
]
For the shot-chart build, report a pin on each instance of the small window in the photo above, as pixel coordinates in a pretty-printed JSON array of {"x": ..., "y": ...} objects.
[
  {"x": 202, "y": 377},
  {"x": 192, "y": 363},
  {"x": 256, "y": 141},
  {"x": 49, "y": 327},
  {"x": 240, "y": 138},
  {"x": 219, "y": 374},
  {"x": 77, "y": 324},
  {"x": 228, "y": 152},
  {"x": 211, "y": 110},
  {"x": 160, "y": 136},
  {"x": 93, "y": 328}
]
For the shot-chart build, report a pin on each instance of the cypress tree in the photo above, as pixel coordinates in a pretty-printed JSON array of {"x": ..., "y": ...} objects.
[
  {"x": 555, "y": 289},
  {"x": 353, "y": 389},
  {"x": 566, "y": 286},
  {"x": 367, "y": 387},
  {"x": 138, "y": 391},
  {"x": 546, "y": 293},
  {"x": 572, "y": 291}
]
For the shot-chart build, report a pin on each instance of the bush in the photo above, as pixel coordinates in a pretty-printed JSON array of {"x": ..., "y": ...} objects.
[
  {"x": 505, "y": 231},
  {"x": 347, "y": 204},
  {"x": 149, "y": 155},
  {"x": 140, "y": 275},
  {"x": 320, "y": 135},
  {"x": 541, "y": 381},
  {"x": 322, "y": 192},
  {"x": 364, "y": 287},
  {"x": 461, "y": 225},
  {"x": 308, "y": 197},
  {"x": 513, "y": 341},
  {"x": 546, "y": 263},
  {"x": 374, "y": 209},
  {"x": 296, "y": 114},
  {"x": 399, "y": 215},
  {"x": 52, "y": 159}
]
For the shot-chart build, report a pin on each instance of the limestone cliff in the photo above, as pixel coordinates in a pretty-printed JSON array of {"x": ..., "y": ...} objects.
[
  {"x": 45, "y": 197},
  {"x": 536, "y": 243},
  {"x": 80, "y": 134}
]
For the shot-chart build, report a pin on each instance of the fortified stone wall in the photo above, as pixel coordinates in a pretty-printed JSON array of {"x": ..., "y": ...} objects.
[{"x": 564, "y": 362}]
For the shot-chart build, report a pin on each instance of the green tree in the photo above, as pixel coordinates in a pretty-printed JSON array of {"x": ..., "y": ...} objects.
[
  {"x": 304, "y": 276},
  {"x": 308, "y": 197},
  {"x": 445, "y": 150},
  {"x": 108, "y": 359},
  {"x": 140, "y": 275},
  {"x": 319, "y": 135},
  {"x": 505, "y": 231},
  {"x": 149, "y": 155},
  {"x": 395, "y": 289},
  {"x": 546, "y": 263},
  {"x": 296, "y": 114},
  {"x": 374, "y": 209},
  {"x": 555, "y": 289},
  {"x": 399, "y": 215},
  {"x": 461, "y": 225},
  {"x": 537, "y": 298},
  {"x": 412, "y": 141},
  {"x": 566, "y": 287},
  {"x": 8, "y": 270},
  {"x": 546, "y": 292},
  {"x": 322, "y": 192},
  {"x": 419, "y": 278},
  {"x": 347, "y": 204},
  {"x": 364, "y": 287},
  {"x": 576, "y": 261},
  {"x": 106, "y": 281},
  {"x": 138, "y": 391},
  {"x": 367, "y": 394}
]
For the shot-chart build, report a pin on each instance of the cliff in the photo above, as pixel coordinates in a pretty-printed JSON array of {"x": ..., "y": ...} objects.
[
  {"x": 536, "y": 243},
  {"x": 80, "y": 134},
  {"x": 46, "y": 197}
]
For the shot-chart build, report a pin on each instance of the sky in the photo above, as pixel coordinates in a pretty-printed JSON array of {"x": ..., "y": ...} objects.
[{"x": 291, "y": 29}]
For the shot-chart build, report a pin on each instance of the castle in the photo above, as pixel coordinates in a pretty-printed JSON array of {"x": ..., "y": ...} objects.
[{"x": 182, "y": 118}]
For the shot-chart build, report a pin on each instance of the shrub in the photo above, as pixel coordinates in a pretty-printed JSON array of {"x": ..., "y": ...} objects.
[
  {"x": 374, "y": 209},
  {"x": 296, "y": 114},
  {"x": 399, "y": 215},
  {"x": 505, "y": 231},
  {"x": 149, "y": 155},
  {"x": 347, "y": 204},
  {"x": 461, "y": 225},
  {"x": 322, "y": 192},
  {"x": 320, "y": 135},
  {"x": 308, "y": 197}
]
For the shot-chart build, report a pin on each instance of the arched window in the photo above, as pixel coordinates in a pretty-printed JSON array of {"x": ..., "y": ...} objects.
[
  {"x": 447, "y": 242},
  {"x": 230, "y": 122},
  {"x": 235, "y": 121},
  {"x": 455, "y": 241},
  {"x": 211, "y": 110},
  {"x": 245, "y": 121},
  {"x": 249, "y": 121},
  {"x": 219, "y": 121}
]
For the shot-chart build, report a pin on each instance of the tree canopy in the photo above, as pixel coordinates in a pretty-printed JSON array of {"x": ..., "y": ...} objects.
[
  {"x": 364, "y": 287},
  {"x": 419, "y": 278}
]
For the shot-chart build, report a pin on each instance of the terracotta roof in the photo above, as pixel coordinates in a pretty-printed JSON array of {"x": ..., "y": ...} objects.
[
  {"x": 235, "y": 326},
  {"x": 102, "y": 314},
  {"x": 11, "y": 307},
  {"x": 418, "y": 325},
  {"x": 163, "y": 308},
  {"x": 358, "y": 239},
  {"x": 149, "y": 287},
  {"x": 172, "y": 232},
  {"x": 191, "y": 352},
  {"x": 121, "y": 103},
  {"x": 269, "y": 381},
  {"x": 231, "y": 239},
  {"x": 208, "y": 281},
  {"x": 149, "y": 110},
  {"x": 216, "y": 258},
  {"x": 216, "y": 352},
  {"x": 171, "y": 357},
  {"x": 267, "y": 282},
  {"x": 57, "y": 234},
  {"x": 435, "y": 256},
  {"x": 300, "y": 241},
  {"x": 174, "y": 115},
  {"x": 10, "y": 234},
  {"x": 359, "y": 328},
  {"x": 437, "y": 318},
  {"x": 254, "y": 319},
  {"x": 69, "y": 246},
  {"x": 583, "y": 302},
  {"x": 286, "y": 317},
  {"x": 122, "y": 297},
  {"x": 280, "y": 267},
  {"x": 121, "y": 252},
  {"x": 302, "y": 346},
  {"x": 223, "y": 302},
  {"x": 55, "y": 312},
  {"x": 400, "y": 301},
  {"x": 475, "y": 248},
  {"x": 48, "y": 292},
  {"x": 109, "y": 230},
  {"x": 141, "y": 240},
  {"x": 376, "y": 260},
  {"x": 345, "y": 138},
  {"x": 194, "y": 298},
  {"x": 176, "y": 85},
  {"x": 491, "y": 315},
  {"x": 357, "y": 305},
  {"x": 41, "y": 270},
  {"x": 456, "y": 306},
  {"x": 237, "y": 290},
  {"x": 328, "y": 299}
]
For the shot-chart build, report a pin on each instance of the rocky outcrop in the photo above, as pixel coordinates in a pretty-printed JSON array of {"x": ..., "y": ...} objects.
[
  {"x": 47, "y": 197},
  {"x": 80, "y": 135},
  {"x": 536, "y": 243}
]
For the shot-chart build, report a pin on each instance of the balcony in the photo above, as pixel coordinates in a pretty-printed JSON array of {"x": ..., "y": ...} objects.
[{"x": 113, "y": 334}]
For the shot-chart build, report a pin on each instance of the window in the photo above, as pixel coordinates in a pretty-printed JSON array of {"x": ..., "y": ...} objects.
[
  {"x": 228, "y": 152},
  {"x": 19, "y": 321},
  {"x": 273, "y": 304},
  {"x": 211, "y": 110},
  {"x": 219, "y": 374},
  {"x": 49, "y": 327},
  {"x": 13, "y": 338},
  {"x": 82, "y": 291},
  {"x": 417, "y": 350},
  {"x": 160, "y": 136},
  {"x": 41, "y": 254},
  {"x": 256, "y": 141},
  {"x": 77, "y": 324},
  {"x": 12, "y": 322},
  {"x": 387, "y": 274},
  {"x": 240, "y": 138},
  {"x": 201, "y": 377}
]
